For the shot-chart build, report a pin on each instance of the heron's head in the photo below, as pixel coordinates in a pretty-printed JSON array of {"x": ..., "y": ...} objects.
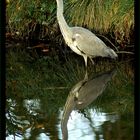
[{"x": 111, "y": 53}]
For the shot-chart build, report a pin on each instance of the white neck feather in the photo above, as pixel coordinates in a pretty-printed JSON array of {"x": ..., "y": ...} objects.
[{"x": 65, "y": 29}]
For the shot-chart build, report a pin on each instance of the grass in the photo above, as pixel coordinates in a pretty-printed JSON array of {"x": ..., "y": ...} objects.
[
  {"x": 103, "y": 16},
  {"x": 26, "y": 18},
  {"x": 27, "y": 77},
  {"x": 38, "y": 18}
]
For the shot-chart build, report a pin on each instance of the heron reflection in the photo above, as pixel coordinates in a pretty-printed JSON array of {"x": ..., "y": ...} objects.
[{"x": 82, "y": 94}]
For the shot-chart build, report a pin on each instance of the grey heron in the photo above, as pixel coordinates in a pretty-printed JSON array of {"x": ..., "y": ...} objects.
[
  {"x": 81, "y": 40},
  {"x": 84, "y": 93}
]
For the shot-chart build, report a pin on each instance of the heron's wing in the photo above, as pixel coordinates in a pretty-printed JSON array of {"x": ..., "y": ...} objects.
[{"x": 87, "y": 42}]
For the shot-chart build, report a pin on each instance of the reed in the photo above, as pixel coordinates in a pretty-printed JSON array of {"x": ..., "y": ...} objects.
[{"x": 101, "y": 16}]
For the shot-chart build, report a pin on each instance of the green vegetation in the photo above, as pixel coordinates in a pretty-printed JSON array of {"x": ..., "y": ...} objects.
[
  {"x": 49, "y": 81},
  {"x": 24, "y": 17},
  {"x": 104, "y": 16},
  {"x": 49, "y": 78},
  {"x": 115, "y": 18},
  {"x": 27, "y": 77}
]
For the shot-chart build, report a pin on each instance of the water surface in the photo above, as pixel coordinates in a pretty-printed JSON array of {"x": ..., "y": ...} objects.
[{"x": 37, "y": 92}]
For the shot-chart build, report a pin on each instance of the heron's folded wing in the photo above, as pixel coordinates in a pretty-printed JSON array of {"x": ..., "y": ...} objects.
[{"x": 88, "y": 42}]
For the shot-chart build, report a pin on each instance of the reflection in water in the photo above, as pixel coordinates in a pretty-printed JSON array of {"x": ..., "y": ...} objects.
[
  {"x": 34, "y": 123},
  {"x": 82, "y": 94},
  {"x": 39, "y": 117},
  {"x": 90, "y": 128}
]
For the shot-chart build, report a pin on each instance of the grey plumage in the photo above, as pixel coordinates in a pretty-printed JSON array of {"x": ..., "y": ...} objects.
[
  {"x": 84, "y": 93},
  {"x": 81, "y": 40}
]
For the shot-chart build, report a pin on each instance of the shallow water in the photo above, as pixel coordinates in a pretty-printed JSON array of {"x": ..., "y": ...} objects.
[
  {"x": 39, "y": 109},
  {"x": 95, "y": 125}
]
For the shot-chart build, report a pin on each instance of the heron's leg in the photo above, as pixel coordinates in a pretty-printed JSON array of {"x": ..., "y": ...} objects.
[
  {"x": 86, "y": 76},
  {"x": 85, "y": 58},
  {"x": 93, "y": 63},
  {"x": 91, "y": 60}
]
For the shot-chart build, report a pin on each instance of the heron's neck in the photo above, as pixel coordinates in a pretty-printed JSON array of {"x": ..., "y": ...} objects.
[{"x": 65, "y": 29}]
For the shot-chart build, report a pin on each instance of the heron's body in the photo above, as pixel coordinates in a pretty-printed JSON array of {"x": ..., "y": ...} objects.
[{"x": 81, "y": 40}]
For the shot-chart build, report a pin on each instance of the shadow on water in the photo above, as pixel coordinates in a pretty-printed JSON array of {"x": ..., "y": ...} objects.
[{"x": 38, "y": 106}]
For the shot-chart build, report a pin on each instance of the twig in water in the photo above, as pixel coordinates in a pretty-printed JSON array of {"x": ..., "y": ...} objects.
[
  {"x": 125, "y": 52},
  {"x": 55, "y": 88}
]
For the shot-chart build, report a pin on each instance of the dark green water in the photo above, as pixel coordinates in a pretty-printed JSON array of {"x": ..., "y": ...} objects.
[{"x": 38, "y": 93}]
